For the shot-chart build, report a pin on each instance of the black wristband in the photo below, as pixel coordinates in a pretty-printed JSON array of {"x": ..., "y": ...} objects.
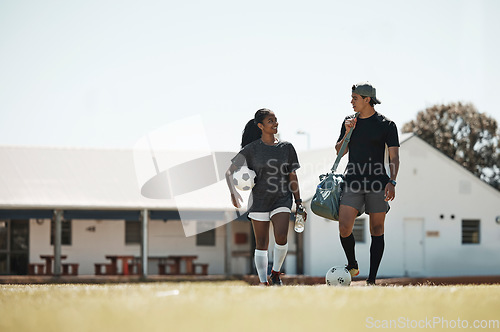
[{"x": 298, "y": 201}]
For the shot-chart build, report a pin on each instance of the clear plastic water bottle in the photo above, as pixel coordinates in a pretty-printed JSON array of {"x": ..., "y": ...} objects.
[{"x": 299, "y": 219}]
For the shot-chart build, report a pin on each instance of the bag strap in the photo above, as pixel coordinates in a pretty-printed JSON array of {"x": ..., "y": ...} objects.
[{"x": 343, "y": 147}]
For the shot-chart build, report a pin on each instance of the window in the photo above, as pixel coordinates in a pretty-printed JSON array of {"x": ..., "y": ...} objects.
[
  {"x": 132, "y": 232},
  {"x": 65, "y": 232},
  {"x": 359, "y": 230},
  {"x": 205, "y": 233},
  {"x": 4, "y": 236},
  {"x": 14, "y": 246},
  {"x": 470, "y": 231}
]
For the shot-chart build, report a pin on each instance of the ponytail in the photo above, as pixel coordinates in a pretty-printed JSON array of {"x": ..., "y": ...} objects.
[{"x": 252, "y": 132}]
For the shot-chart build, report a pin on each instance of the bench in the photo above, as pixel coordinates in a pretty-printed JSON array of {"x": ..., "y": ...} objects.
[
  {"x": 66, "y": 267},
  {"x": 204, "y": 268},
  {"x": 173, "y": 268},
  {"x": 108, "y": 269},
  {"x": 134, "y": 267},
  {"x": 36, "y": 268}
]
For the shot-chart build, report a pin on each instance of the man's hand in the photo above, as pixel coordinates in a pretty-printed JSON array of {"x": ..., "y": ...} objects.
[
  {"x": 390, "y": 192},
  {"x": 350, "y": 124}
]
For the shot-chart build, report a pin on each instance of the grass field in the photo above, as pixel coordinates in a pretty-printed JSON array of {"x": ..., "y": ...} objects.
[{"x": 235, "y": 306}]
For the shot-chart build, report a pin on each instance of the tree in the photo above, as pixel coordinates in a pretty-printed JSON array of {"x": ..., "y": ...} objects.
[{"x": 462, "y": 133}]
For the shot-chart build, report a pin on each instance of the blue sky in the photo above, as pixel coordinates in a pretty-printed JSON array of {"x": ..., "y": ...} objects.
[{"x": 105, "y": 73}]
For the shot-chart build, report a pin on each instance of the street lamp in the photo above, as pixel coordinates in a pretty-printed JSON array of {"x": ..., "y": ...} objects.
[{"x": 301, "y": 132}]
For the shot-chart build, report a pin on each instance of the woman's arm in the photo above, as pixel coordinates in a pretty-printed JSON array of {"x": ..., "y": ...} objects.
[
  {"x": 235, "y": 196},
  {"x": 294, "y": 188}
]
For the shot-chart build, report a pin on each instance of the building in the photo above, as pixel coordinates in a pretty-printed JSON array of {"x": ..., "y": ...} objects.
[
  {"x": 100, "y": 209},
  {"x": 444, "y": 221}
]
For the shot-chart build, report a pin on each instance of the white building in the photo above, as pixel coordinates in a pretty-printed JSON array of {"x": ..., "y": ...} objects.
[
  {"x": 100, "y": 198},
  {"x": 444, "y": 221}
]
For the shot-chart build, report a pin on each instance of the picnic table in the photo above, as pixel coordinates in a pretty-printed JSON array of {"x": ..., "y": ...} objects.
[
  {"x": 124, "y": 263},
  {"x": 188, "y": 262},
  {"x": 49, "y": 259},
  {"x": 176, "y": 264}
]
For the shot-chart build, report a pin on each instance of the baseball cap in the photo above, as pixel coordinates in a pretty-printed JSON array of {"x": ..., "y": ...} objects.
[{"x": 365, "y": 89}]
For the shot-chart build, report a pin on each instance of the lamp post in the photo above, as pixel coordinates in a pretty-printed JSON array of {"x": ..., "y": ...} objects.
[{"x": 301, "y": 132}]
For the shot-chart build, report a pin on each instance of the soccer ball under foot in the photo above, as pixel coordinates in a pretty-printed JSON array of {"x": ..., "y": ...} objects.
[{"x": 338, "y": 276}]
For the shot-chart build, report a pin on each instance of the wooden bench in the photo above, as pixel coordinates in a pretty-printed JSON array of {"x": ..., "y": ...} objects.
[
  {"x": 108, "y": 269},
  {"x": 134, "y": 267},
  {"x": 36, "y": 268},
  {"x": 173, "y": 268},
  {"x": 204, "y": 268},
  {"x": 66, "y": 267}
]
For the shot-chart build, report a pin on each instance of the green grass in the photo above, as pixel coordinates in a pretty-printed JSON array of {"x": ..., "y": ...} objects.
[{"x": 234, "y": 306}]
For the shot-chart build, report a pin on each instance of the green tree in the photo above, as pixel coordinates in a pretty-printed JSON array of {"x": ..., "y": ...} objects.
[{"x": 462, "y": 133}]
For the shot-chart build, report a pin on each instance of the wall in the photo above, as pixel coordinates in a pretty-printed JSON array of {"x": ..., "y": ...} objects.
[
  {"x": 165, "y": 238},
  {"x": 429, "y": 185}
]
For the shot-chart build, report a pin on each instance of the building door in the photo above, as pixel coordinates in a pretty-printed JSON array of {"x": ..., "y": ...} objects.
[
  {"x": 14, "y": 247},
  {"x": 414, "y": 247}
]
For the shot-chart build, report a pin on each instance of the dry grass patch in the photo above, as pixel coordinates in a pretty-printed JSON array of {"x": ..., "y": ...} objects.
[{"x": 234, "y": 306}]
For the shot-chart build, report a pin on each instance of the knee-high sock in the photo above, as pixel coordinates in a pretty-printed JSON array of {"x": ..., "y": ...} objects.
[
  {"x": 279, "y": 255},
  {"x": 260, "y": 258},
  {"x": 376, "y": 252},
  {"x": 348, "y": 245}
]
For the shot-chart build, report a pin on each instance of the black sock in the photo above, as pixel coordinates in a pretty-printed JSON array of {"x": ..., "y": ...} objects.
[
  {"x": 376, "y": 252},
  {"x": 348, "y": 245}
]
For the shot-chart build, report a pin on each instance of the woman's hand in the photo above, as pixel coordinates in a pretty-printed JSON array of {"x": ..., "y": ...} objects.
[
  {"x": 301, "y": 207},
  {"x": 236, "y": 199}
]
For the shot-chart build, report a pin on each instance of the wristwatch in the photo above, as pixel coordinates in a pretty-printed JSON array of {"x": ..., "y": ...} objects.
[{"x": 393, "y": 182}]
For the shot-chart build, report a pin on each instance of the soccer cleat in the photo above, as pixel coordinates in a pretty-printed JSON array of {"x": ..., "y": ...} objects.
[
  {"x": 370, "y": 282},
  {"x": 263, "y": 284},
  {"x": 275, "y": 278},
  {"x": 353, "y": 269}
]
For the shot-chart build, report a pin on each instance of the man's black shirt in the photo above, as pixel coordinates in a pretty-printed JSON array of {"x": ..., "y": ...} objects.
[{"x": 366, "y": 169}]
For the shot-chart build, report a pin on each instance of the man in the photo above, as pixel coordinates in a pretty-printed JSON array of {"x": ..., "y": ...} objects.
[{"x": 368, "y": 186}]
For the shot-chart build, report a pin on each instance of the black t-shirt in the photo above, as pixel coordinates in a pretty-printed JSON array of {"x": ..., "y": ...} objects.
[
  {"x": 272, "y": 164},
  {"x": 366, "y": 169}
]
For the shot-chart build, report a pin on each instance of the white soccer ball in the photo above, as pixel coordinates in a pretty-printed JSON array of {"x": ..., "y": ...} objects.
[
  {"x": 338, "y": 276},
  {"x": 244, "y": 178}
]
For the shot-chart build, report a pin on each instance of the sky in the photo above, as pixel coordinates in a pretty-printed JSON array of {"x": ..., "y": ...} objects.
[{"x": 103, "y": 74}]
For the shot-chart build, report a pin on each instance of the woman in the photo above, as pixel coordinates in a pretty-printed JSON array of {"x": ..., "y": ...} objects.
[{"x": 274, "y": 163}]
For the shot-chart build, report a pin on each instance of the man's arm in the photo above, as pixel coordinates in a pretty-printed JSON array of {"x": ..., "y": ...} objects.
[
  {"x": 339, "y": 145},
  {"x": 349, "y": 125},
  {"x": 394, "y": 161},
  {"x": 390, "y": 190}
]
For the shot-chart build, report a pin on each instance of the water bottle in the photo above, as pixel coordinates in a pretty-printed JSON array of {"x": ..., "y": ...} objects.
[{"x": 299, "y": 219}]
